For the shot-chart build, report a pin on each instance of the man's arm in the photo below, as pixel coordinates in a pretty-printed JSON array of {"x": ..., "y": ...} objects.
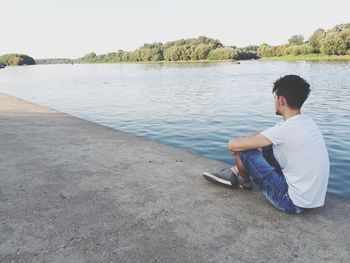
[{"x": 248, "y": 143}]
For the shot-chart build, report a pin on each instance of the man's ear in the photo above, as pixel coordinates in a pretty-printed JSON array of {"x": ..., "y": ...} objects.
[{"x": 282, "y": 100}]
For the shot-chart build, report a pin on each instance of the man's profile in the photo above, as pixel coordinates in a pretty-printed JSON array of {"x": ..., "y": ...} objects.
[{"x": 288, "y": 162}]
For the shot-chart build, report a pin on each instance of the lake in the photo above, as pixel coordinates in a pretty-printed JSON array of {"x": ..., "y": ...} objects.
[{"x": 193, "y": 106}]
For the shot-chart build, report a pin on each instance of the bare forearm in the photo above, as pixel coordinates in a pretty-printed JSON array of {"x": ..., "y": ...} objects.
[
  {"x": 247, "y": 143},
  {"x": 237, "y": 144}
]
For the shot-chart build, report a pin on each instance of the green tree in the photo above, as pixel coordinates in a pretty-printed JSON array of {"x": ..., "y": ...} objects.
[
  {"x": 265, "y": 50},
  {"x": 316, "y": 38},
  {"x": 296, "y": 40},
  {"x": 88, "y": 58},
  {"x": 151, "y": 52},
  {"x": 278, "y": 51},
  {"x": 336, "y": 43},
  {"x": 222, "y": 53},
  {"x": 190, "y": 49},
  {"x": 244, "y": 53},
  {"x": 202, "y": 50},
  {"x": 173, "y": 53},
  {"x": 299, "y": 50},
  {"x": 16, "y": 60}
]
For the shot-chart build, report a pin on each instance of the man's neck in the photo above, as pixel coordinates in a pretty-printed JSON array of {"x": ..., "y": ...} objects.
[{"x": 290, "y": 113}]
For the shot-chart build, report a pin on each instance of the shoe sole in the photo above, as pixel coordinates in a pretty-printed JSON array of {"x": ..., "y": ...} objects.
[{"x": 215, "y": 179}]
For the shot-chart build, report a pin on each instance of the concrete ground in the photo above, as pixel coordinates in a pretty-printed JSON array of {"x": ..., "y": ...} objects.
[{"x": 75, "y": 191}]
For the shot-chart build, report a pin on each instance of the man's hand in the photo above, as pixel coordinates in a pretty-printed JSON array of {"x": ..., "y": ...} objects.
[{"x": 236, "y": 145}]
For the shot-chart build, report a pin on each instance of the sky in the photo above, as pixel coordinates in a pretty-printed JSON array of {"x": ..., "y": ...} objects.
[{"x": 72, "y": 28}]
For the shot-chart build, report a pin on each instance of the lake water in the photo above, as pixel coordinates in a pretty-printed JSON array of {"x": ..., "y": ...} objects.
[{"x": 196, "y": 107}]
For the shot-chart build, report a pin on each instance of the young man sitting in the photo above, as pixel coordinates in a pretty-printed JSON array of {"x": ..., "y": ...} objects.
[{"x": 288, "y": 162}]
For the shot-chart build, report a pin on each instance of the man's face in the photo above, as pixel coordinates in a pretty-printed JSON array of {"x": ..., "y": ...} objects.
[{"x": 277, "y": 105}]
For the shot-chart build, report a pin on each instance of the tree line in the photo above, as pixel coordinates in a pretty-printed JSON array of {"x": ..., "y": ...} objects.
[
  {"x": 335, "y": 41},
  {"x": 201, "y": 48}
]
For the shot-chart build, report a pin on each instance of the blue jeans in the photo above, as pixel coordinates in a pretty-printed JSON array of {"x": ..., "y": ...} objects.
[{"x": 268, "y": 176}]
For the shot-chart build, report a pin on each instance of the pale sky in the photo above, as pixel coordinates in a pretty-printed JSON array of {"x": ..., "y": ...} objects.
[{"x": 72, "y": 28}]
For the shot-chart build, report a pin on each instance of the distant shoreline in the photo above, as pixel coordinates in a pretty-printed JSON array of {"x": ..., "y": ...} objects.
[
  {"x": 164, "y": 62},
  {"x": 313, "y": 57},
  {"x": 308, "y": 57}
]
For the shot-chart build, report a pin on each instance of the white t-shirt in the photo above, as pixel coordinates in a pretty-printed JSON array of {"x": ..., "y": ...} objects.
[{"x": 299, "y": 148}]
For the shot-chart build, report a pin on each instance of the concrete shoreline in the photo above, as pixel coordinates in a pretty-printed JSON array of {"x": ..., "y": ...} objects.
[{"x": 76, "y": 191}]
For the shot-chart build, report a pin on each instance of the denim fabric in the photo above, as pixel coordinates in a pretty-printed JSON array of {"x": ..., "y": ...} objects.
[{"x": 267, "y": 175}]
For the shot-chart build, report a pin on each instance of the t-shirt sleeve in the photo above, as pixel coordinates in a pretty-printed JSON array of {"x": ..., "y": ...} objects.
[{"x": 275, "y": 134}]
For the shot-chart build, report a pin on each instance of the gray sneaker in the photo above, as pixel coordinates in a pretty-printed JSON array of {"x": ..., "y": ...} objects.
[{"x": 228, "y": 177}]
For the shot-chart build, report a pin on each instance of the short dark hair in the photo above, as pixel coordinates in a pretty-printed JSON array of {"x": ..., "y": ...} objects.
[{"x": 293, "y": 88}]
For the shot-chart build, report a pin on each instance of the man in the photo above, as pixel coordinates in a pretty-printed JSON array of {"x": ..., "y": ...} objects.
[{"x": 288, "y": 162}]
